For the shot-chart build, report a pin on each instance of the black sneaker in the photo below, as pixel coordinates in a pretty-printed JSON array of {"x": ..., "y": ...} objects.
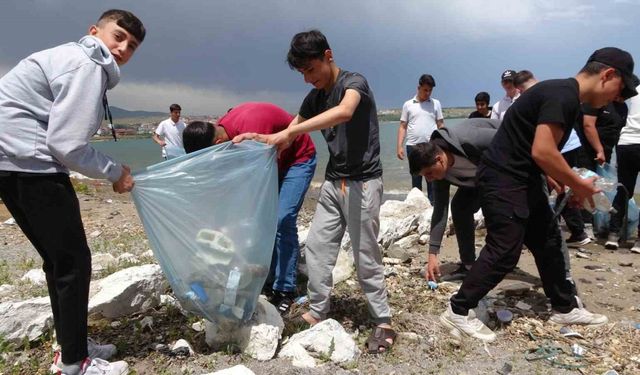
[
  {"x": 457, "y": 275},
  {"x": 283, "y": 301},
  {"x": 579, "y": 240}
]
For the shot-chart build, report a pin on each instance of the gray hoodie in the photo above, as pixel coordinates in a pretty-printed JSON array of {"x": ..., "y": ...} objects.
[
  {"x": 467, "y": 139},
  {"x": 51, "y": 103}
]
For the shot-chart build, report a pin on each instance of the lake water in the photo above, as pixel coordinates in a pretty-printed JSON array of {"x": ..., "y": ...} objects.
[{"x": 141, "y": 153}]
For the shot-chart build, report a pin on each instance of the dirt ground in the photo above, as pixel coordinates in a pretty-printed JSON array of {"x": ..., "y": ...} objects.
[{"x": 608, "y": 282}]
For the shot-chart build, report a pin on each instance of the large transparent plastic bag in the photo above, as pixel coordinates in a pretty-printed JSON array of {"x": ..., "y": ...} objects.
[{"x": 211, "y": 218}]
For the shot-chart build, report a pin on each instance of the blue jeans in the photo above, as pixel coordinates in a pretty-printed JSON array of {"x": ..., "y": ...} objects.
[
  {"x": 416, "y": 181},
  {"x": 284, "y": 263}
]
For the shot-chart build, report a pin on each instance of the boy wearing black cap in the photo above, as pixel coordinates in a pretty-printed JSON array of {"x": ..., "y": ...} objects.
[
  {"x": 512, "y": 93},
  {"x": 512, "y": 193}
]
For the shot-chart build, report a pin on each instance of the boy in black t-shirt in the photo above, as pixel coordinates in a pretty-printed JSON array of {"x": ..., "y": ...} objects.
[
  {"x": 483, "y": 110},
  {"x": 342, "y": 106},
  {"x": 512, "y": 194}
]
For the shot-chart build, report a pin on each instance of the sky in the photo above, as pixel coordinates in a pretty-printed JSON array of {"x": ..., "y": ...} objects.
[{"x": 209, "y": 55}]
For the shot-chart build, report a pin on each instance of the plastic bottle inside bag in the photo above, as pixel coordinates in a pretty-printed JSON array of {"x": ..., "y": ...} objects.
[{"x": 600, "y": 200}]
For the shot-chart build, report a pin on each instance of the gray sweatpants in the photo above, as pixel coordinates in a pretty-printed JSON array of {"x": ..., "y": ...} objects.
[{"x": 352, "y": 205}]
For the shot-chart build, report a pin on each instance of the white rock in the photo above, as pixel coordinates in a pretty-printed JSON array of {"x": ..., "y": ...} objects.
[
  {"x": 424, "y": 239},
  {"x": 10, "y": 221},
  {"x": 321, "y": 338},
  {"x": 6, "y": 289},
  {"x": 95, "y": 234},
  {"x": 302, "y": 236},
  {"x": 101, "y": 261},
  {"x": 235, "y": 370},
  {"x": 298, "y": 355},
  {"x": 257, "y": 338},
  {"x": 424, "y": 222},
  {"x": 417, "y": 199},
  {"x": 128, "y": 291},
  {"x": 407, "y": 242},
  {"x": 146, "y": 322},
  {"x": 344, "y": 267},
  {"x": 127, "y": 258},
  {"x": 182, "y": 343},
  {"x": 30, "y": 318},
  {"x": 198, "y": 326},
  {"x": 35, "y": 276},
  {"x": 78, "y": 176},
  {"x": 148, "y": 253}
]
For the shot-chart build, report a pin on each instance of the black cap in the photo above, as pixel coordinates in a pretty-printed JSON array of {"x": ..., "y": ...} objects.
[
  {"x": 508, "y": 75},
  {"x": 623, "y": 62}
]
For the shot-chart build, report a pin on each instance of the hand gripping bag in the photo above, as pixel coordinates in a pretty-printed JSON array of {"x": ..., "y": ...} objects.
[{"x": 211, "y": 218}]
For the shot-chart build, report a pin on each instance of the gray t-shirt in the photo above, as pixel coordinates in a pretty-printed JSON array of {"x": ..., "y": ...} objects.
[
  {"x": 462, "y": 172},
  {"x": 354, "y": 146}
]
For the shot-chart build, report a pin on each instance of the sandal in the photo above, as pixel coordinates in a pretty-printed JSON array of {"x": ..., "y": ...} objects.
[{"x": 378, "y": 340}]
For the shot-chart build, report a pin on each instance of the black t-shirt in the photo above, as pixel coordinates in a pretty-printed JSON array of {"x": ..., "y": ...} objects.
[
  {"x": 476, "y": 114},
  {"x": 354, "y": 146},
  {"x": 610, "y": 120},
  {"x": 554, "y": 101}
]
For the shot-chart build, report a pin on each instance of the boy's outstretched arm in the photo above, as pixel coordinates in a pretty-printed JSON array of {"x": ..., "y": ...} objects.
[{"x": 332, "y": 117}]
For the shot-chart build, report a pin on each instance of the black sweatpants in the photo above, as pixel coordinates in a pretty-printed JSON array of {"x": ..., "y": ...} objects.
[
  {"x": 516, "y": 212},
  {"x": 46, "y": 208}
]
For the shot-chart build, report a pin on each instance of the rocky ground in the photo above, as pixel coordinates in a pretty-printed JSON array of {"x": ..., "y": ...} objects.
[{"x": 608, "y": 281}]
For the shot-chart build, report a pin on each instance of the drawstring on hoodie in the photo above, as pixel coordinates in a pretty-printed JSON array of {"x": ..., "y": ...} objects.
[{"x": 108, "y": 117}]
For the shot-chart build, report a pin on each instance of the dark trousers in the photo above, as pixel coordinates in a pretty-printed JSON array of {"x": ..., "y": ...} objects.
[
  {"x": 416, "y": 181},
  {"x": 628, "y": 158},
  {"x": 571, "y": 215},
  {"x": 516, "y": 212},
  {"x": 46, "y": 208},
  {"x": 464, "y": 204}
]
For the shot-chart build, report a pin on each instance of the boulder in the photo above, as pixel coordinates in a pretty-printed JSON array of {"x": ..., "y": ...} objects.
[
  {"x": 327, "y": 338},
  {"x": 30, "y": 318},
  {"x": 35, "y": 276},
  {"x": 128, "y": 291},
  {"x": 101, "y": 261},
  {"x": 257, "y": 338}
]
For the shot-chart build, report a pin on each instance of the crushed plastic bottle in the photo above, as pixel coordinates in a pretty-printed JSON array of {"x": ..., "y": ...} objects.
[
  {"x": 601, "y": 202},
  {"x": 432, "y": 285}
]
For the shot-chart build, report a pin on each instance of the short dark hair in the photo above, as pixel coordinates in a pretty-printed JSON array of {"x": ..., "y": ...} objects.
[
  {"x": 483, "y": 96},
  {"x": 126, "y": 20},
  {"x": 522, "y": 77},
  {"x": 422, "y": 156},
  {"x": 198, "y": 135},
  {"x": 427, "y": 79},
  {"x": 175, "y": 107},
  {"x": 305, "y": 46},
  {"x": 595, "y": 67}
]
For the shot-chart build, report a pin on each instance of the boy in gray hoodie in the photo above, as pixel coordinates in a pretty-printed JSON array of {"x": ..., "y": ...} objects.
[
  {"x": 451, "y": 158},
  {"x": 51, "y": 103}
]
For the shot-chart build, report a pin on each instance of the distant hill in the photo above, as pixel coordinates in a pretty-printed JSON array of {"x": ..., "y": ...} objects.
[{"x": 118, "y": 112}]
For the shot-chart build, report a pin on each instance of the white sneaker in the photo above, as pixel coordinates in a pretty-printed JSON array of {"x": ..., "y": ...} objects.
[
  {"x": 612, "y": 242},
  {"x": 636, "y": 247},
  {"x": 94, "y": 349},
  {"x": 99, "y": 367},
  {"x": 578, "y": 316},
  {"x": 466, "y": 325}
]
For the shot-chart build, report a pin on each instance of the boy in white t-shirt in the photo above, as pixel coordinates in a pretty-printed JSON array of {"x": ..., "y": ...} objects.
[
  {"x": 421, "y": 116},
  {"x": 170, "y": 130}
]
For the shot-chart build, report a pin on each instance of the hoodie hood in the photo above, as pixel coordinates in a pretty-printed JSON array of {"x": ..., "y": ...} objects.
[{"x": 97, "y": 51}]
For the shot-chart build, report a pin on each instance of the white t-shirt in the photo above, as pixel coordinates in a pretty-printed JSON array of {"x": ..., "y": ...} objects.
[
  {"x": 421, "y": 119},
  {"x": 171, "y": 132},
  {"x": 630, "y": 134},
  {"x": 498, "y": 110},
  {"x": 573, "y": 142}
]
